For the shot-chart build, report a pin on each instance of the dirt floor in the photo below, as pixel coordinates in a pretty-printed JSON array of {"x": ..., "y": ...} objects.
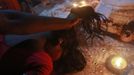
[{"x": 97, "y": 55}]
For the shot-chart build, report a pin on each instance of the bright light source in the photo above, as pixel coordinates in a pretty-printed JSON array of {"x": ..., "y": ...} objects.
[
  {"x": 83, "y": 3},
  {"x": 119, "y": 62},
  {"x": 75, "y": 5},
  {"x": 80, "y": 4}
]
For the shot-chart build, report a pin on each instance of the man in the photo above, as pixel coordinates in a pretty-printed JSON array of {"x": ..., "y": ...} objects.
[{"x": 29, "y": 56}]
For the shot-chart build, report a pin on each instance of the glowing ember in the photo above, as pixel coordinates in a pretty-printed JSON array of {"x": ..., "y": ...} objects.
[{"x": 118, "y": 62}]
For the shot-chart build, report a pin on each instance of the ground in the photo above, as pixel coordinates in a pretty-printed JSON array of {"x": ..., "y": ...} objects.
[{"x": 97, "y": 54}]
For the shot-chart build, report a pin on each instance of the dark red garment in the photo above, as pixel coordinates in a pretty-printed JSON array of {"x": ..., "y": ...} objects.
[
  {"x": 10, "y": 4},
  {"x": 41, "y": 59},
  {"x": 17, "y": 61},
  {"x": 3, "y": 46}
]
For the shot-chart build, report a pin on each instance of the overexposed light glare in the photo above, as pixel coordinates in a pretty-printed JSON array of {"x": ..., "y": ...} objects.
[
  {"x": 83, "y": 3},
  {"x": 80, "y": 4},
  {"x": 119, "y": 62},
  {"x": 75, "y": 5}
]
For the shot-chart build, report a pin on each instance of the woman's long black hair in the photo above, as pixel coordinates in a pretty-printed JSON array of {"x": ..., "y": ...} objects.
[
  {"x": 72, "y": 59},
  {"x": 93, "y": 23}
]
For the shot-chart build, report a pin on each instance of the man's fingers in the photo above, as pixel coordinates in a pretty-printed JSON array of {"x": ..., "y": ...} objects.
[{"x": 76, "y": 21}]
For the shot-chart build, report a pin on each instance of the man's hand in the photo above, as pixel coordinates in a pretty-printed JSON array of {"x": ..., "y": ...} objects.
[{"x": 73, "y": 23}]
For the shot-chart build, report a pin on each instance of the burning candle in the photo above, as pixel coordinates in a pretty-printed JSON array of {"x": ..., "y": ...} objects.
[{"x": 118, "y": 62}]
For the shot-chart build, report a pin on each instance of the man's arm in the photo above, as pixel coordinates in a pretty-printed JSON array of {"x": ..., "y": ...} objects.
[{"x": 22, "y": 23}]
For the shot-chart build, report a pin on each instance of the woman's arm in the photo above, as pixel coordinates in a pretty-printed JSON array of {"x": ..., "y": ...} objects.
[{"x": 22, "y": 23}]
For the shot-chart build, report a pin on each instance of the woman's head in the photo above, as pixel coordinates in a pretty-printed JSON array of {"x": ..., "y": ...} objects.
[
  {"x": 53, "y": 45},
  {"x": 63, "y": 47},
  {"x": 67, "y": 43}
]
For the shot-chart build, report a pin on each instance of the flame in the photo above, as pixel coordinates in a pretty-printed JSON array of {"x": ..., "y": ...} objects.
[{"x": 119, "y": 62}]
